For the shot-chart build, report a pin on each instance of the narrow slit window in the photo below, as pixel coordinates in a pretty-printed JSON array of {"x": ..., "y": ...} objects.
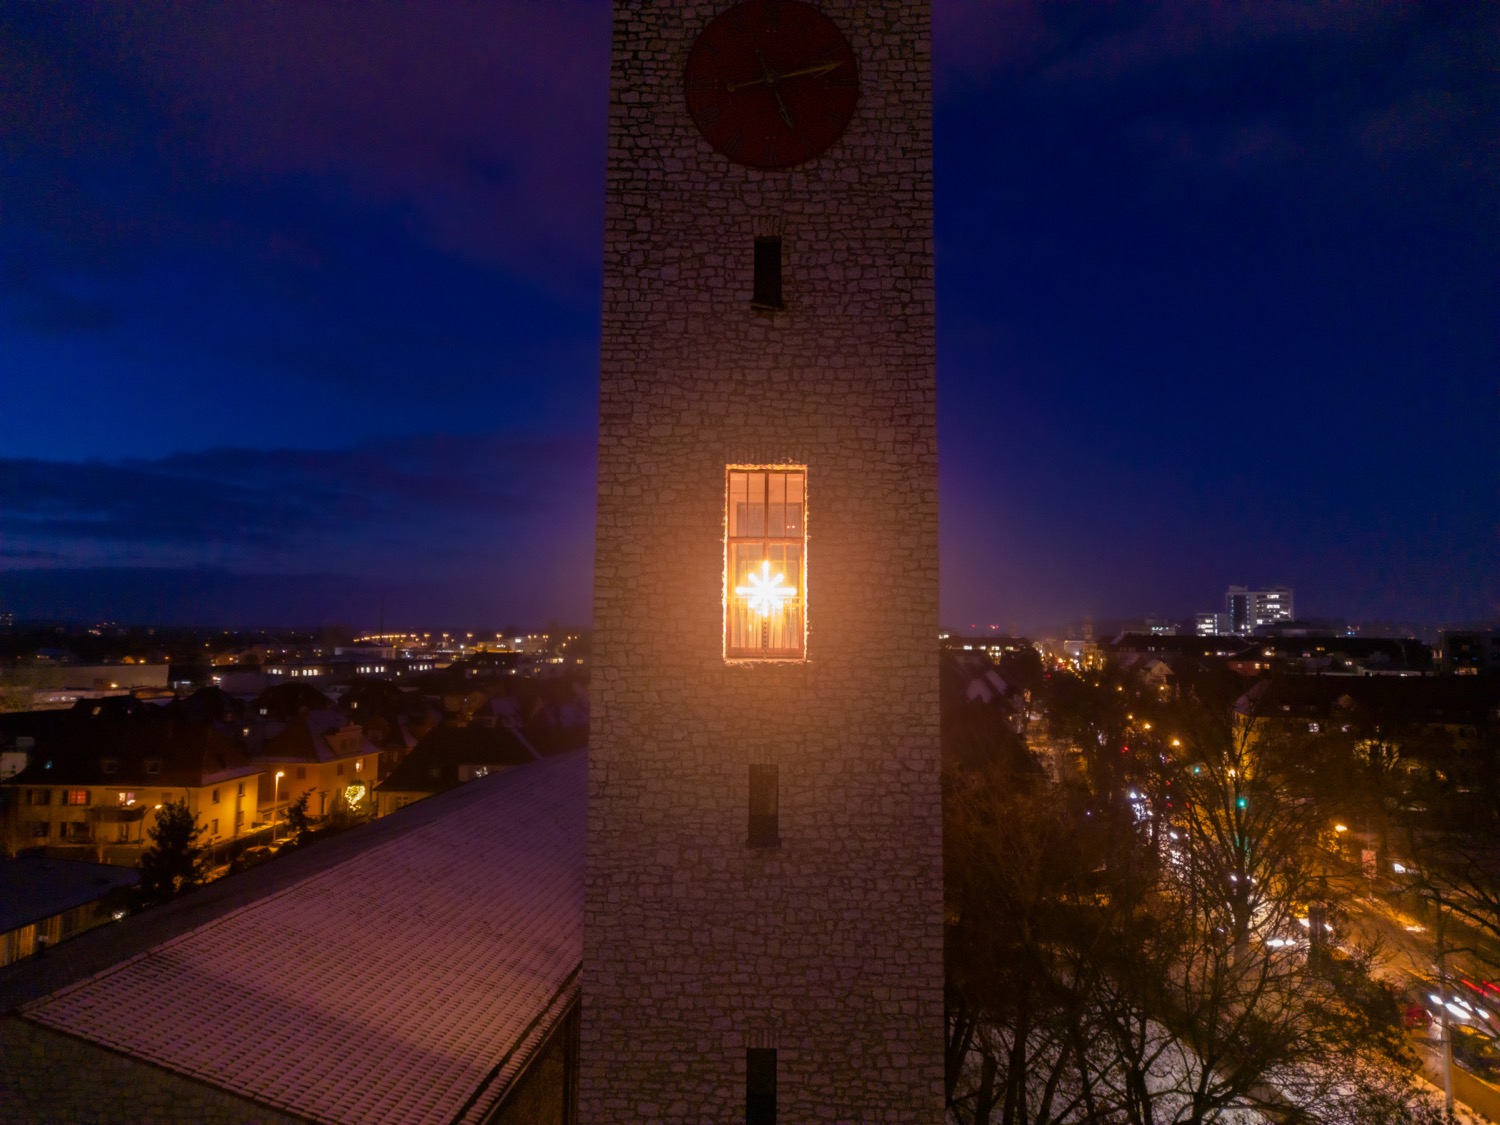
[
  {"x": 760, "y": 1086},
  {"x": 765, "y": 829},
  {"x": 767, "y": 292},
  {"x": 764, "y": 573}
]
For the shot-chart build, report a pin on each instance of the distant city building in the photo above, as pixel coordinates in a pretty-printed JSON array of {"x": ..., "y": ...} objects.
[
  {"x": 1470, "y": 652},
  {"x": 1249, "y": 609},
  {"x": 1157, "y": 626},
  {"x": 1211, "y": 624}
]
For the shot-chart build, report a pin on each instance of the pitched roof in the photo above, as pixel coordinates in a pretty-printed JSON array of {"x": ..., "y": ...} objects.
[
  {"x": 306, "y": 738},
  {"x": 434, "y": 763},
  {"x": 34, "y": 887},
  {"x": 410, "y": 982},
  {"x": 184, "y": 753}
]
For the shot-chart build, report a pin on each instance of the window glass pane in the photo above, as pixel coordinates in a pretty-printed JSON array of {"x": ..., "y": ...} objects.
[
  {"x": 755, "y": 510},
  {"x": 776, "y": 504},
  {"x": 793, "y": 504},
  {"x": 738, "y": 490}
]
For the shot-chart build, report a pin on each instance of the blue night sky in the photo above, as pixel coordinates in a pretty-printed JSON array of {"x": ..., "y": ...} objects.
[{"x": 299, "y": 309}]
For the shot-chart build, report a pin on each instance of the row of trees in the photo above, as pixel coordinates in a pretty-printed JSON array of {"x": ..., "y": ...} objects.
[{"x": 1141, "y": 941}]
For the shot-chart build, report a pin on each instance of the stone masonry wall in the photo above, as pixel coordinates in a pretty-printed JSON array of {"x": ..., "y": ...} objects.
[{"x": 828, "y": 948}]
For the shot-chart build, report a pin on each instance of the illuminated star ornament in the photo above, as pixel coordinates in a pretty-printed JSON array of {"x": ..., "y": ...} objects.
[{"x": 766, "y": 593}]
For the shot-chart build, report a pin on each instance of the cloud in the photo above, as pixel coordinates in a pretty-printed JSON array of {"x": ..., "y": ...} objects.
[
  {"x": 479, "y": 128},
  {"x": 422, "y": 506}
]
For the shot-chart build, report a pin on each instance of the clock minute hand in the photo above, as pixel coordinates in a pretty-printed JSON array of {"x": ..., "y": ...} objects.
[
  {"x": 812, "y": 71},
  {"x": 771, "y": 78}
]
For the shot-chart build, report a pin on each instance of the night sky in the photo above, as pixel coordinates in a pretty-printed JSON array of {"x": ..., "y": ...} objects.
[{"x": 299, "y": 309}]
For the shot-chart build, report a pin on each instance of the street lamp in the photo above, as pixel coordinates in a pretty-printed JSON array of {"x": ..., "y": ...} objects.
[{"x": 275, "y": 801}]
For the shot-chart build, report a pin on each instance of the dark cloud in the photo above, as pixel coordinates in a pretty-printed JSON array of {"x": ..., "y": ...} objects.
[
  {"x": 480, "y": 124},
  {"x": 425, "y": 507}
]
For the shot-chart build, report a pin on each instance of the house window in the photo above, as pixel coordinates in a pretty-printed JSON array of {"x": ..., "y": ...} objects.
[
  {"x": 153, "y": 765},
  {"x": 109, "y": 765},
  {"x": 216, "y": 797},
  {"x": 763, "y": 807},
  {"x": 339, "y": 769},
  {"x": 77, "y": 829},
  {"x": 38, "y": 796},
  {"x": 122, "y": 832},
  {"x": 239, "y": 819},
  {"x": 76, "y": 797},
  {"x": 359, "y": 764},
  {"x": 767, "y": 291},
  {"x": 301, "y": 773},
  {"x": 213, "y": 827},
  {"x": 760, "y": 1086},
  {"x": 41, "y": 829},
  {"x": 240, "y": 792},
  {"x": 764, "y": 575},
  {"x": 126, "y": 798}
]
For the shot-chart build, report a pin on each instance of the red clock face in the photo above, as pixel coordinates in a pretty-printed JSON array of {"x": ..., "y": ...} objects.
[{"x": 771, "y": 83}]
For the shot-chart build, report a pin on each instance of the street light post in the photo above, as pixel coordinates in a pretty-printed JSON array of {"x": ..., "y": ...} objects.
[{"x": 276, "y": 802}]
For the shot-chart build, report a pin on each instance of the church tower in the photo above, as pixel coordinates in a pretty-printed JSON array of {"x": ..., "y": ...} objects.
[{"x": 763, "y": 906}]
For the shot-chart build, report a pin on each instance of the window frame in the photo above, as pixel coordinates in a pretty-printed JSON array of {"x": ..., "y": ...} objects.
[{"x": 767, "y": 544}]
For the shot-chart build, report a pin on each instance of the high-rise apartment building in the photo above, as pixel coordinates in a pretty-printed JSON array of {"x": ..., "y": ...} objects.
[
  {"x": 1249, "y": 609},
  {"x": 763, "y": 905}
]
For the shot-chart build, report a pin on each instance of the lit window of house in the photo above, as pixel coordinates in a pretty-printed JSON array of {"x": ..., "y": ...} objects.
[
  {"x": 764, "y": 572},
  {"x": 77, "y": 797}
]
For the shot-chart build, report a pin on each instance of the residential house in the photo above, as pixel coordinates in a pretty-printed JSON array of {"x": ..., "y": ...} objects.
[
  {"x": 447, "y": 757},
  {"x": 319, "y": 753},
  {"x": 94, "y": 783}
]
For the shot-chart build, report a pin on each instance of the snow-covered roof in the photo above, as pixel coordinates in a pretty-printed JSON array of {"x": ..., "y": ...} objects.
[{"x": 408, "y": 983}]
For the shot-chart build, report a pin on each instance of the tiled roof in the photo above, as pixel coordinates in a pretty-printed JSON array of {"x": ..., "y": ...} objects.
[
  {"x": 33, "y": 887},
  {"x": 433, "y": 765},
  {"x": 396, "y": 986},
  {"x": 184, "y": 753}
]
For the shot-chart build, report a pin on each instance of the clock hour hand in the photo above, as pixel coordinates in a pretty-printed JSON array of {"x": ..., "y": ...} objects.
[{"x": 771, "y": 78}]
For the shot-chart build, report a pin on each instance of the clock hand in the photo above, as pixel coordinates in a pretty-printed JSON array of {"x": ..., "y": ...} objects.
[
  {"x": 771, "y": 78},
  {"x": 812, "y": 71}
]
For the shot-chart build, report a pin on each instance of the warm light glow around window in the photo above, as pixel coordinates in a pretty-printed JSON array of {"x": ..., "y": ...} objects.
[{"x": 764, "y": 562}]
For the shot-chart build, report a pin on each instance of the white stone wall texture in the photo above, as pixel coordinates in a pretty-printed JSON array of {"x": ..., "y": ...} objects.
[{"x": 828, "y": 948}]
